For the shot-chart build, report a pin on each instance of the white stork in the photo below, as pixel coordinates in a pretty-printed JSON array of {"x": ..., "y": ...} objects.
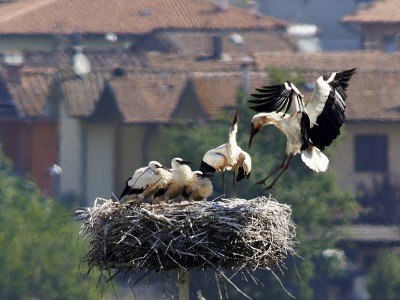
[
  {"x": 181, "y": 177},
  {"x": 228, "y": 156},
  {"x": 199, "y": 188},
  {"x": 145, "y": 182},
  {"x": 310, "y": 127}
]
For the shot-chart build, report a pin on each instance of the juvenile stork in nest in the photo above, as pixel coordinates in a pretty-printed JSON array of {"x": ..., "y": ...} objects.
[
  {"x": 310, "y": 127},
  {"x": 145, "y": 182},
  {"x": 199, "y": 188},
  {"x": 181, "y": 177},
  {"x": 228, "y": 156}
]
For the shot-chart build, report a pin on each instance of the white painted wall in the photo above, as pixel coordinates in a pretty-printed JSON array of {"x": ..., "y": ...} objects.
[
  {"x": 100, "y": 162},
  {"x": 342, "y": 154},
  {"x": 69, "y": 152}
]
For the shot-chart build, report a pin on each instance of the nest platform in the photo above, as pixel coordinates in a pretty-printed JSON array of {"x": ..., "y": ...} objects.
[{"x": 228, "y": 233}]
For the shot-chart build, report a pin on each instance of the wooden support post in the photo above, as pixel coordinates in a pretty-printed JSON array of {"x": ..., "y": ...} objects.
[{"x": 183, "y": 282}]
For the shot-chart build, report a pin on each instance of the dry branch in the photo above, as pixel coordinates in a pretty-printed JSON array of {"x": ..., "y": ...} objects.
[{"x": 228, "y": 233}]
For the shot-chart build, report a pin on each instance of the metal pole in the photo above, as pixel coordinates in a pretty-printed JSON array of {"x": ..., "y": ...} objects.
[{"x": 183, "y": 282}]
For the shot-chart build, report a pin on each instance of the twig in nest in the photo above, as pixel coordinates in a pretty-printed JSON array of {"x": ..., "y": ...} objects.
[{"x": 233, "y": 234}]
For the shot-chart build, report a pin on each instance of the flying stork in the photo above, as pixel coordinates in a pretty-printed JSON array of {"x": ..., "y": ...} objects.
[
  {"x": 145, "y": 182},
  {"x": 228, "y": 156},
  {"x": 310, "y": 127},
  {"x": 181, "y": 177},
  {"x": 199, "y": 188}
]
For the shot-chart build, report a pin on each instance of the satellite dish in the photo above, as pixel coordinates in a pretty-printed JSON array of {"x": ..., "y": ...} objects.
[
  {"x": 236, "y": 38},
  {"x": 14, "y": 58},
  {"x": 81, "y": 64},
  {"x": 111, "y": 37}
]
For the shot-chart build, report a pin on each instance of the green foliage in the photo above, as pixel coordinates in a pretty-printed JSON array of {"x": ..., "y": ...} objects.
[
  {"x": 316, "y": 199},
  {"x": 39, "y": 253},
  {"x": 380, "y": 201},
  {"x": 384, "y": 277}
]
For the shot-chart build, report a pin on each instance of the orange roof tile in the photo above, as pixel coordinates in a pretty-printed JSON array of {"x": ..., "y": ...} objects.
[
  {"x": 330, "y": 61},
  {"x": 31, "y": 92},
  {"x": 123, "y": 17},
  {"x": 81, "y": 93},
  {"x": 217, "y": 91},
  {"x": 147, "y": 98},
  {"x": 383, "y": 11}
]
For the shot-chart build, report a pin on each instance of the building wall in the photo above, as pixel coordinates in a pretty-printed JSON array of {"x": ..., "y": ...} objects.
[
  {"x": 44, "y": 154},
  {"x": 100, "y": 162},
  {"x": 51, "y": 43},
  {"x": 70, "y": 147},
  {"x": 373, "y": 35},
  {"x": 342, "y": 155},
  {"x": 326, "y": 14},
  {"x": 32, "y": 146},
  {"x": 130, "y": 154}
]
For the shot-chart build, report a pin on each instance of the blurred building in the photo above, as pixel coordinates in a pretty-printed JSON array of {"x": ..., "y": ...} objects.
[{"x": 379, "y": 25}]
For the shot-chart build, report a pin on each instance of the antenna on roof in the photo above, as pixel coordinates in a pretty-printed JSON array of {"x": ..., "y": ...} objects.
[{"x": 80, "y": 62}]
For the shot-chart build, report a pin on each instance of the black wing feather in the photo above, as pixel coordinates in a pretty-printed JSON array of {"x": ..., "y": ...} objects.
[
  {"x": 305, "y": 130},
  {"x": 272, "y": 98},
  {"x": 332, "y": 117}
]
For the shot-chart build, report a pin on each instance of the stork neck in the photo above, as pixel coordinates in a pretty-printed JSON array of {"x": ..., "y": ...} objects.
[{"x": 232, "y": 135}]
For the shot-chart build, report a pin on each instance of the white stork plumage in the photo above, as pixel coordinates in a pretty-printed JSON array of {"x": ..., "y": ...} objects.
[
  {"x": 199, "y": 188},
  {"x": 310, "y": 127},
  {"x": 228, "y": 156},
  {"x": 181, "y": 177},
  {"x": 145, "y": 182}
]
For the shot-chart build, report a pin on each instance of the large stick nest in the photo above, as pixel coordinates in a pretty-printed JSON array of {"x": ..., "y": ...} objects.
[{"x": 236, "y": 233}]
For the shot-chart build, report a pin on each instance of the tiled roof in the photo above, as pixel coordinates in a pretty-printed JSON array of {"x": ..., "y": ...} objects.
[
  {"x": 143, "y": 95},
  {"x": 147, "y": 98},
  {"x": 31, "y": 92},
  {"x": 329, "y": 61},
  {"x": 374, "y": 97},
  {"x": 153, "y": 97},
  {"x": 217, "y": 91},
  {"x": 123, "y": 17},
  {"x": 373, "y": 93},
  {"x": 81, "y": 93},
  {"x": 383, "y": 11},
  {"x": 160, "y": 62},
  {"x": 247, "y": 41}
]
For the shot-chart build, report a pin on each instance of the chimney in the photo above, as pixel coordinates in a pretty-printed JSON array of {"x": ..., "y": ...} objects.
[
  {"x": 13, "y": 62},
  {"x": 216, "y": 47},
  {"x": 222, "y": 5},
  {"x": 252, "y": 7},
  {"x": 245, "y": 66}
]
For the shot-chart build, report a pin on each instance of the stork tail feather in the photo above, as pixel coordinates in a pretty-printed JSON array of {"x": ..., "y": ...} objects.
[{"x": 315, "y": 159}]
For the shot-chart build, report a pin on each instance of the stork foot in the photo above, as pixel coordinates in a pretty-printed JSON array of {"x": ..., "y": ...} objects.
[
  {"x": 262, "y": 181},
  {"x": 270, "y": 187}
]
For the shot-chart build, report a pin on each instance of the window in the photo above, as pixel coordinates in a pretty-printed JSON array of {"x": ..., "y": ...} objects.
[
  {"x": 390, "y": 43},
  {"x": 371, "y": 153}
]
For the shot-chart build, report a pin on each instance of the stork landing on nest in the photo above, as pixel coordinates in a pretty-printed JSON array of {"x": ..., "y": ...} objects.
[{"x": 309, "y": 128}]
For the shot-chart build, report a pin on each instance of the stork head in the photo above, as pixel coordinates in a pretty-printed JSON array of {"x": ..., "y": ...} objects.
[
  {"x": 200, "y": 174},
  {"x": 262, "y": 119},
  {"x": 177, "y": 161},
  {"x": 155, "y": 166}
]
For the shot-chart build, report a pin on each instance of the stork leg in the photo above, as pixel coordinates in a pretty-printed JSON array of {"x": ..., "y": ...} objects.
[
  {"x": 282, "y": 168},
  {"x": 234, "y": 184}
]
